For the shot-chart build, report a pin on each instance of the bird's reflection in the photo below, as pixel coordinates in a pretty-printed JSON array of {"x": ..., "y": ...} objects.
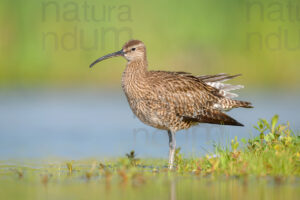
[{"x": 173, "y": 189}]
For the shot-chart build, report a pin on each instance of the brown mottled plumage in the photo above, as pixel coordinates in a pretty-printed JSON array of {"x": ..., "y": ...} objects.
[{"x": 174, "y": 100}]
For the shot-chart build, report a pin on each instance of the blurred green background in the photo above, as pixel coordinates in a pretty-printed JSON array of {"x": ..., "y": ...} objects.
[{"x": 52, "y": 43}]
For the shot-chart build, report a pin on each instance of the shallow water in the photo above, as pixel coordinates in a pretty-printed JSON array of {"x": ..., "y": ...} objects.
[
  {"x": 82, "y": 123},
  {"x": 158, "y": 188}
]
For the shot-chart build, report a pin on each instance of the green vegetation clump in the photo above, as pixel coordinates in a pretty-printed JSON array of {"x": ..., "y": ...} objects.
[{"x": 275, "y": 152}]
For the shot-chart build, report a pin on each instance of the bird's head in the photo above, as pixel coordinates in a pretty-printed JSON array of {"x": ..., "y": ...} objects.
[{"x": 132, "y": 50}]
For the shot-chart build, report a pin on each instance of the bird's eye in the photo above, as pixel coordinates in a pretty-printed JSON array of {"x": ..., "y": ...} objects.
[{"x": 133, "y": 49}]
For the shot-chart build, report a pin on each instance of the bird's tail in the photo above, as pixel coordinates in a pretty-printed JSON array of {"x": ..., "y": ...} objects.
[
  {"x": 243, "y": 104},
  {"x": 228, "y": 104}
]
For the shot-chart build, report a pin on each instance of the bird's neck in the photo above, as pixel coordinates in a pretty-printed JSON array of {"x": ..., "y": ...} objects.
[
  {"x": 137, "y": 67},
  {"x": 134, "y": 76}
]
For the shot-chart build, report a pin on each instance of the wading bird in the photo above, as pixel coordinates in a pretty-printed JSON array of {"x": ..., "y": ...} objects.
[{"x": 174, "y": 100}]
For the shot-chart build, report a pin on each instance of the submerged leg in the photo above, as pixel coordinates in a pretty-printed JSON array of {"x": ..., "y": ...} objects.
[{"x": 172, "y": 146}]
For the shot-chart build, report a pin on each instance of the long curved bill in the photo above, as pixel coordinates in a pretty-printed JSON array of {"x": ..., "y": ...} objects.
[{"x": 118, "y": 53}]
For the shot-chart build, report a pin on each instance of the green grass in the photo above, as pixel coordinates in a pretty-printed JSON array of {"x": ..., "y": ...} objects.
[
  {"x": 275, "y": 152},
  {"x": 266, "y": 166}
]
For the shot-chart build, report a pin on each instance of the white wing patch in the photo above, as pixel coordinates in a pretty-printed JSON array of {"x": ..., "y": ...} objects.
[{"x": 225, "y": 88}]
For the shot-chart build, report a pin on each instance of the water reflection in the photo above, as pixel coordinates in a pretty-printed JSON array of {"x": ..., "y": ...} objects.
[{"x": 172, "y": 189}]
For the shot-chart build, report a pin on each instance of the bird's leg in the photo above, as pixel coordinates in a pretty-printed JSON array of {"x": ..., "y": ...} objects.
[{"x": 172, "y": 146}]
